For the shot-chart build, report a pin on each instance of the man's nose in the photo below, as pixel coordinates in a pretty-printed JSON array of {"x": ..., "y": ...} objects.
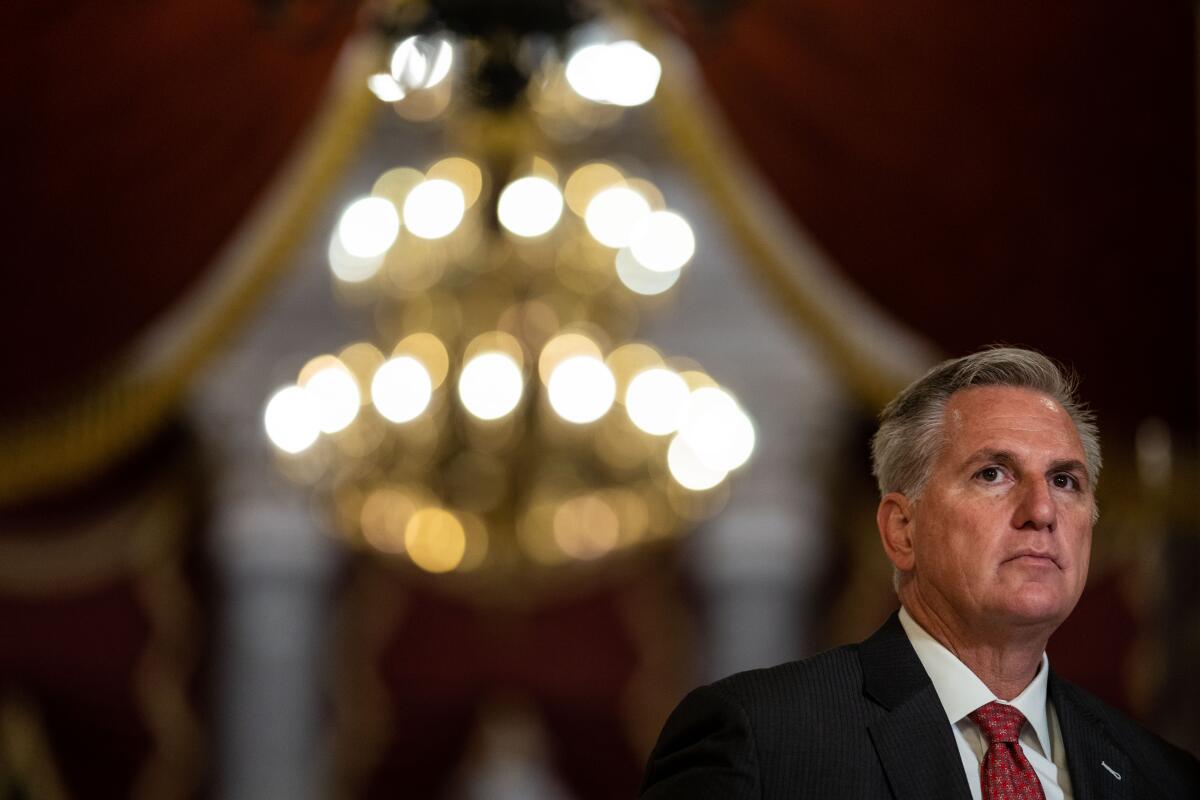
[{"x": 1036, "y": 509}]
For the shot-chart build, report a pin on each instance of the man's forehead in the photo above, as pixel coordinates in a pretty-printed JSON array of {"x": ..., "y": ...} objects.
[
  {"x": 1013, "y": 399},
  {"x": 1008, "y": 409}
]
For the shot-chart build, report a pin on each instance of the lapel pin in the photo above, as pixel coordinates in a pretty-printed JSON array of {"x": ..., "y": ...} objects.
[{"x": 1114, "y": 773}]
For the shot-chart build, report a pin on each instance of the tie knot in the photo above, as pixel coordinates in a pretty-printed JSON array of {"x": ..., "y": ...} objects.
[{"x": 999, "y": 722}]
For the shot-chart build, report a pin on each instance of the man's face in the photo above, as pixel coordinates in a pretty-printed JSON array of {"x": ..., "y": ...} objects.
[{"x": 1003, "y": 528}]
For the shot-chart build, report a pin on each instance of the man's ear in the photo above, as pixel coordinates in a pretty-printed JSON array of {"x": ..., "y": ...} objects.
[{"x": 894, "y": 518}]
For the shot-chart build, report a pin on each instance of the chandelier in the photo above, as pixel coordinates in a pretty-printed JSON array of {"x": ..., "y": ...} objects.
[{"x": 503, "y": 424}]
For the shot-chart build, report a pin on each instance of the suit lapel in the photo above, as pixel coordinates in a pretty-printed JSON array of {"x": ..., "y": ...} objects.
[
  {"x": 1099, "y": 769},
  {"x": 913, "y": 741}
]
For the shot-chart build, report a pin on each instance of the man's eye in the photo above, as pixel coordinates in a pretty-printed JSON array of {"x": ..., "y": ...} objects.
[
  {"x": 1065, "y": 481},
  {"x": 989, "y": 474}
]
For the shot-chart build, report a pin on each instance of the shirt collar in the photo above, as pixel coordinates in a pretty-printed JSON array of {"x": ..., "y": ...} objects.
[{"x": 960, "y": 690}]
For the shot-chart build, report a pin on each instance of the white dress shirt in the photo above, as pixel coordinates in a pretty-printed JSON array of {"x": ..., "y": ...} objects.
[{"x": 961, "y": 692}]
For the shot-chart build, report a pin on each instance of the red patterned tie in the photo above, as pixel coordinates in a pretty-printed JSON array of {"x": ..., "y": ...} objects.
[{"x": 1005, "y": 773}]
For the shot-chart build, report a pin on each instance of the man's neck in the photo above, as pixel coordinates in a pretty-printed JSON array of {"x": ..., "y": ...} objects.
[{"x": 1006, "y": 661}]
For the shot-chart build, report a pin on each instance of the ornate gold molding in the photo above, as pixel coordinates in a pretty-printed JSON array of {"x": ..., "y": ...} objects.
[{"x": 26, "y": 760}]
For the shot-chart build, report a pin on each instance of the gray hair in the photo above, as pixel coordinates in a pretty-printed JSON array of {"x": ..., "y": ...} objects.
[{"x": 911, "y": 432}]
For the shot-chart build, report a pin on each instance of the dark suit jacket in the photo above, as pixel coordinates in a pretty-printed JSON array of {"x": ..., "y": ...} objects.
[{"x": 864, "y": 721}]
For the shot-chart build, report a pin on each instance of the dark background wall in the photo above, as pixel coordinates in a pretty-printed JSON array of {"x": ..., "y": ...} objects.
[{"x": 1017, "y": 172}]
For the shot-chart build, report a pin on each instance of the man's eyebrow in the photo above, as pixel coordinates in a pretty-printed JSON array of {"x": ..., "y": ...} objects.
[{"x": 1004, "y": 458}]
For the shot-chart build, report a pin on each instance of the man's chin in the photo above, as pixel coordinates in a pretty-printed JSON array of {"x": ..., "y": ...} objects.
[{"x": 1037, "y": 612}]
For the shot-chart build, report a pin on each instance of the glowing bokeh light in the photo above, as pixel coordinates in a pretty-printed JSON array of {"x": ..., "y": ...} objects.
[
  {"x": 613, "y": 214},
  {"x": 401, "y": 389},
  {"x": 368, "y": 227},
  {"x": 429, "y": 350},
  {"x": 717, "y": 430},
  {"x": 648, "y": 190},
  {"x": 434, "y": 208},
  {"x": 421, "y": 62},
  {"x": 662, "y": 241},
  {"x": 581, "y": 389},
  {"x": 396, "y": 183},
  {"x": 384, "y": 86},
  {"x": 585, "y": 72},
  {"x": 290, "y": 419},
  {"x": 541, "y": 168},
  {"x": 475, "y": 541},
  {"x": 621, "y": 73},
  {"x": 688, "y": 470},
  {"x": 586, "y": 181},
  {"x": 463, "y": 173},
  {"x": 351, "y": 268},
  {"x": 495, "y": 341},
  {"x": 335, "y": 397},
  {"x": 631, "y": 74},
  {"x": 690, "y": 371},
  {"x": 435, "y": 540},
  {"x": 657, "y": 401},
  {"x": 562, "y": 347},
  {"x": 362, "y": 359},
  {"x": 490, "y": 385},
  {"x": 586, "y": 527},
  {"x": 628, "y": 360},
  {"x": 384, "y": 515},
  {"x": 530, "y": 206},
  {"x": 640, "y": 280}
]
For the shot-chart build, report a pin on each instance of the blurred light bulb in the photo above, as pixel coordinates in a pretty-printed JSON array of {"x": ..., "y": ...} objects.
[
  {"x": 368, "y": 227},
  {"x": 632, "y": 74},
  {"x": 490, "y": 385},
  {"x": 621, "y": 73},
  {"x": 351, "y": 268},
  {"x": 586, "y": 181},
  {"x": 562, "y": 347},
  {"x": 662, "y": 241},
  {"x": 290, "y": 419},
  {"x": 688, "y": 470},
  {"x": 335, "y": 397},
  {"x": 421, "y": 62},
  {"x": 657, "y": 401},
  {"x": 581, "y": 389},
  {"x": 401, "y": 389},
  {"x": 585, "y": 72},
  {"x": 384, "y": 86},
  {"x": 640, "y": 280},
  {"x": 717, "y": 430},
  {"x": 613, "y": 214},
  {"x": 434, "y": 208},
  {"x": 434, "y": 539},
  {"x": 530, "y": 206},
  {"x": 586, "y": 527},
  {"x": 463, "y": 173}
]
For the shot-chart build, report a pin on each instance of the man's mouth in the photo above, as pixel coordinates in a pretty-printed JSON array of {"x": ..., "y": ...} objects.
[{"x": 1035, "y": 557}]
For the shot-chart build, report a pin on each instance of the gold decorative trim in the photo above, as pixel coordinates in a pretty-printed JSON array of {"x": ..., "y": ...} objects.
[
  {"x": 25, "y": 755},
  {"x": 142, "y": 543},
  {"x": 33, "y": 565},
  {"x": 163, "y": 673},
  {"x": 161, "y": 682},
  {"x": 109, "y": 418}
]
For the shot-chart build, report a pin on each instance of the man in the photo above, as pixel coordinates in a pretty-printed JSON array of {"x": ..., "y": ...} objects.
[{"x": 987, "y": 467}]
